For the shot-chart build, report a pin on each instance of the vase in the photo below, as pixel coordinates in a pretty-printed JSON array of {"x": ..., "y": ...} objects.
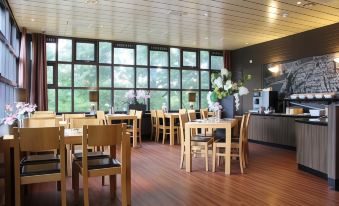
[
  {"x": 137, "y": 106},
  {"x": 228, "y": 107}
]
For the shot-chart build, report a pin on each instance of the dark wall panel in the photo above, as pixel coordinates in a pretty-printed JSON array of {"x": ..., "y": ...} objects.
[{"x": 315, "y": 42}]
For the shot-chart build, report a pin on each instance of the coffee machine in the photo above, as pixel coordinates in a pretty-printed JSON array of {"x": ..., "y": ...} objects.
[{"x": 265, "y": 100}]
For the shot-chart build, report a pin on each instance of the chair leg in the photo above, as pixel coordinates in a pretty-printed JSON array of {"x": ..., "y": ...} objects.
[
  {"x": 241, "y": 163},
  {"x": 152, "y": 130},
  {"x": 140, "y": 137},
  {"x": 103, "y": 180},
  {"x": 163, "y": 136},
  {"x": 182, "y": 153},
  {"x": 113, "y": 185},
  {"x": 85, "y": 191},
  {"x": 124, "y": 189},
  {"x": 63, "y": 191},
  {"x": 58, "y": 185},
  {"x": 206, "y": 157},
  {"x": 213, "y": 157},
  {"x": 75, "y": 184}
]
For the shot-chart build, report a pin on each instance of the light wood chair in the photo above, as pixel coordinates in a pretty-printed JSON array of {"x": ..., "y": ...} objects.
[
  {"x": 154, "y": 122},
  {"x": 182, "y": 111},
  {"x": 132, "y": 112},
  {"x": 165, "y": 127},
  {"x": 80, "y": 122},
  {"x": 246, "y": 133},
  {"x": 200, "y": 144},
  {"x": 40, "y": 122},
  {"x": 43, "y": 114},
  {"x": 67, "y": 117},
  {"x": 34, "y": 169},
  {"x": 102, "y": 135},
  {"x": 101, "y": 117},
  {"x": 139, "y": 124},
  {"x": 204, "y": 113},
  {"x": 237, "y": 148}
]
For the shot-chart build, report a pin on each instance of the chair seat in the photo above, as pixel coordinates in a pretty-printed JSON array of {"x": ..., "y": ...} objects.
[
  {"x": 100, "y": 163},
  {"x": 90, "y": 155},
  {"x": 40, "y": 159},
  {"x": 200, "y": 138},
  {"x": 40, "y": 169}
]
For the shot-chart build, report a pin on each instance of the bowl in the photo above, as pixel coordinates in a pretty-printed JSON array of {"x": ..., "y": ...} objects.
[
  {"x": 301, "y": 96},
  {"x": 318, "y": 96}
]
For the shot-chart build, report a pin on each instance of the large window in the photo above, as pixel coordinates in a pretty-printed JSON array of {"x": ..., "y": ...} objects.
[
  {"x": 77, "y": 66},
  {"x": 9, "y": 53}
]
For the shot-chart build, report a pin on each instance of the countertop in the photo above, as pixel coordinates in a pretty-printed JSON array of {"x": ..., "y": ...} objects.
[
  {"x": 314, "y": 121},
  {"x": 285, "y": 115}
]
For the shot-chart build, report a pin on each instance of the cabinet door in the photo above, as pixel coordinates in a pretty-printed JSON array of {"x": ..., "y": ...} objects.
[
  {"x": 256, "y": 127},
  {"x": 266, "y": 129}
]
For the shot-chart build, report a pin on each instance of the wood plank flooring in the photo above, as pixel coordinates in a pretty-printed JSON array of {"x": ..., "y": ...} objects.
[{"x": 272, "y": 178}]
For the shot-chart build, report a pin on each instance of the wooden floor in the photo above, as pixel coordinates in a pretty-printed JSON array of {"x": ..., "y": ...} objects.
[{"x": 271, "y": 179}]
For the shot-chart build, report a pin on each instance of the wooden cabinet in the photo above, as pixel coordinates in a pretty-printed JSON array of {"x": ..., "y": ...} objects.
[{"x": 272, "y": 129}]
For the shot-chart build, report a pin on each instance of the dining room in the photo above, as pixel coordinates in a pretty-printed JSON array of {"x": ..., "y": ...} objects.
[{"x": 179, "y": 102}]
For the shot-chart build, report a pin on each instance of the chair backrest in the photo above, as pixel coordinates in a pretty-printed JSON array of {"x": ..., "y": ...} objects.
[
  {"x": 80, "y": 122},
  {"x": 182, "y": 111},
  {"x": 40, "y": 122},
  {"x": 191, "y": 115},
  {"x": 161, "y": 117},
  {"x": 103, "y": 135},
  {"x": 43, "y": 115},
  {"x": 44, "y": 112},
  {"x": 66, "y": 117},
  {"x": 183, "y": 118},
  {"x": 132, "y": 112},
  {"x": 204, "y": 113},
  {"x": 39, "y": 139},
  {"x": 101, "y": 117},
  {"x": 247, "y": 126},
  {"x": 154, "y": 117},
  {"x": 139, "y": 118},
  {"x": 242, "y": 130}
]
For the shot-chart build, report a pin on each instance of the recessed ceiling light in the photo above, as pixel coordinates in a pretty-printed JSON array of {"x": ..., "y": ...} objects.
[
  {"x": 91, "y": 1},
  {"x": 32, "y": 19},
  {"x": 285, "y": 14},
  {"x": 336, "y": 59},
  {"x": 299, "y": 2},
  {"x": 246, "y": 43},
  {"x": 206, "y": 14},
  {"x": 206, "y": 38}
]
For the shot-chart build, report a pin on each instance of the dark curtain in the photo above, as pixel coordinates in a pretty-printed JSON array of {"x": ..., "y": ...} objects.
[
  {"x": 227, "y": 60},
  {"x": 38, "y": 87},
  {"x": 22, "y": 73}
]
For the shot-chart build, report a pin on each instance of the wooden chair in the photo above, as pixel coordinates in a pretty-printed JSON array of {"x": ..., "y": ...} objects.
[
  {"x": 102, "y": 135},
  {"x": 237, "y": 150},
  {"x": 132, "y": 112},
  {"x": 43, "y": 114},
  {"x": 40, "y": 122},
  {"x": 67, "y": 117},
  {"x": 246, "y": 132},
  {"x": 80, "y": 122},
  {"x": 139, "y": 121},
  {"x": 34, "y": 169},
  {"x": 204, "y": 113},
  {"x": 182, "y": 111},
  {"x": 101, "y": 117},
  {"x": 154, "y": 122},
  {"x": 165, "y": 127},
  {"x": 200, "y": 144},
  {"x": 191, "y": 115}
]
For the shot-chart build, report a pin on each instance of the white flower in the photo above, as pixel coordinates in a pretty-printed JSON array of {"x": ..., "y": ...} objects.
[
  {"x": 235, "y": 86},
  {"x": 218, "y": 82},
  {"x": 236, "y": 100},
  {"x": 243, "y": 91},
  {"x": 130, "y": 94},
  {"x": 228, "y": 85},
  {"x": 224, "y": 72}
]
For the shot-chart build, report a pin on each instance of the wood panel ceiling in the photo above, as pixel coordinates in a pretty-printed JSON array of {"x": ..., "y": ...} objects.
[{"x": 211, "y": 24}]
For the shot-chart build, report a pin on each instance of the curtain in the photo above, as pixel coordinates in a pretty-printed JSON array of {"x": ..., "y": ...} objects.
[
  {"x": 38, "y": 87},
  {"x": 227, "y": 60},
  {"x": 22, "y": 73}
]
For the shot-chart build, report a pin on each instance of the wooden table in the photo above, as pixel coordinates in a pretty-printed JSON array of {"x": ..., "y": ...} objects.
[
  {"x": 121, "y": 117},
  {"x": 210, "y": 123},
  {"x": 172, "y": 117}
]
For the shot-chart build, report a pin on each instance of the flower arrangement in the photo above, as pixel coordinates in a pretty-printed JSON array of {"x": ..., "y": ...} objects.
[
  {"x": 13, "y": 114},
  {"x": 223, "y": 86},
  {"x": 136, "y": 97}
]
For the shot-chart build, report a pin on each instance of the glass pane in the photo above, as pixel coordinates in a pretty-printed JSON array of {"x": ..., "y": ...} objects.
[
  {"x": 65, "y": 50},
  {"x": 51, "y": 99},
  {"x": 185, "y": 103},
  {"x": 124, "y": 77},
  {"x": 142, "y": 54},
  {"x": 64, "y": 100},
  {"x": 175, "y": 57},
  {"x": 105, "y": 52},
  {"x": 64, "y": 75},
  {"x": 175, "y": 100},
  {"x": 189, "y": 59},
  {"x": 204, "y": 103},
  {"x": 205, "y": 80},
  {"x": 105, "y": 76},
  {"x": 120, "y": 100},
  {"x": 175, "y": 79},
  {"x": 159, "y": 78},
  {"x": 51, "y": 51},
  {"x": 85, "y": 75},
  {"x": 217, "y": 62},
  {"x": 123, "y": 56},
  {"x": 190, "y": 79},
  {"x": 105, "y": 99},
  {"x": 50, "y": 74},
  {"x": 158, "y": 98},
  {"x": 85, "y": 51},
  {"x": 204, "y": 59},
  {"x": 142, "y": 78},
  {"x": 81, "y": 100},
  {"x": 159, "y": 58}
]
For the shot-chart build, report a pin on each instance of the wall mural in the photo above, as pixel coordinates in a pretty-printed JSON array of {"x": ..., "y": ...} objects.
[{"x": 315, "y": 74}]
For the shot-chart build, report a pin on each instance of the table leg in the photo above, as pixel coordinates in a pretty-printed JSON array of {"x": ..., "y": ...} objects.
[
  {"x": 188, "y": 157},
  {"x": 69, "y": 159},
  {"x": 228, "y": 151},
  {"x": 172, "y": 130},
  {"x": 135, "y": 136},
  {"x": 128, "y": 175}
]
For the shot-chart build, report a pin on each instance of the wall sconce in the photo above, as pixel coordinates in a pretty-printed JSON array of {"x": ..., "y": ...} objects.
[
  {"x": 20, "y": 95},
  {"x": 336, "y": 60},
  {"x": 336, "y": 63},
  {"x": 191, "y": 99},
  {"x": 274, "y": 69},
  {"x": 93, "y": 97}
]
